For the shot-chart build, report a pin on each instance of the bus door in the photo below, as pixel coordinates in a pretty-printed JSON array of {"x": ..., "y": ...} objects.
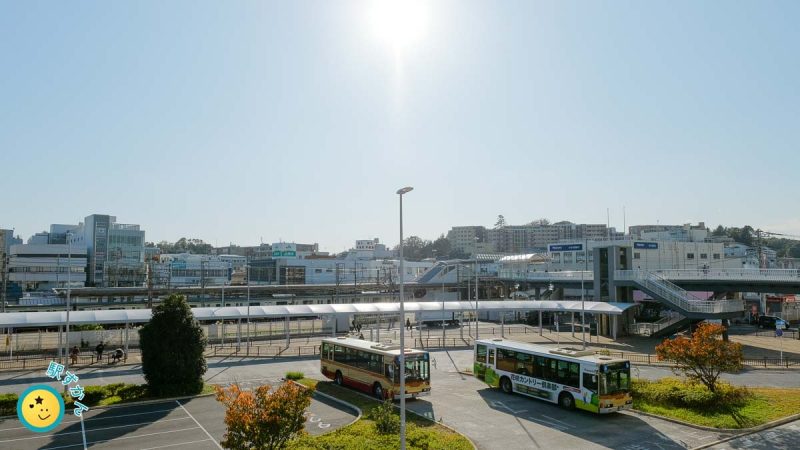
[{"x": 484, "y": 356}]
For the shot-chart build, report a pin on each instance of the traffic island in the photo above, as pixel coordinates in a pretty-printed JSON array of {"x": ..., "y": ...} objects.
[
  {"x": 731, "y": 408},
  {"x": 421, "y": 433}
]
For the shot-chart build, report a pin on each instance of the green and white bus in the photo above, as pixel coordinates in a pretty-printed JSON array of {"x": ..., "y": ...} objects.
[{"x": 570, "y": 377}]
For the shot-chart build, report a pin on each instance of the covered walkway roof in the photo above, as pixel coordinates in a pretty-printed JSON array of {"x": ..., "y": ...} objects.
[{"x": 49, "y": 319}]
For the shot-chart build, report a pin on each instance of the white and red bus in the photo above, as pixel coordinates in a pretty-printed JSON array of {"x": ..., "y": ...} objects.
[{"x": 374, "y": 368}]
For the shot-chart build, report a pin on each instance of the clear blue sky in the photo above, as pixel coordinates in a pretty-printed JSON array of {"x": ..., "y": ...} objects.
[{"x": 233, "y": 121}]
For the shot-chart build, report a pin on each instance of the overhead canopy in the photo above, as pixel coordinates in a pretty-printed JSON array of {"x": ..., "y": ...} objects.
[{"x": 43, "y": 319}]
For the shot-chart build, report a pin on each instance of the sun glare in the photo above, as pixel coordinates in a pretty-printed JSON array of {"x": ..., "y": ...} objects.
[{"x": 399, "y": 23}]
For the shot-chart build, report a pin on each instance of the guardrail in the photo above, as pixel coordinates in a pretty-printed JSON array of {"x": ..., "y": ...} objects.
[
  {"x": 677, "y": 296},
  {"x": 731, "y": 274},
  {"x": 572, "y": 275},
  {"x": 650, "y": 328}
]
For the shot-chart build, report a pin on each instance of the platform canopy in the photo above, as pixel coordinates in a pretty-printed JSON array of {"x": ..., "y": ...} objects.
[{"x": 122, "y": 316}]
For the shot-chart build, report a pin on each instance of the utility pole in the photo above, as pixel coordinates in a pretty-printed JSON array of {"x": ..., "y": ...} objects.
[
  {"x": 4, "y": 260},
  {"x": 203, "y": 282},
  {"x": 149, "y": 268}
]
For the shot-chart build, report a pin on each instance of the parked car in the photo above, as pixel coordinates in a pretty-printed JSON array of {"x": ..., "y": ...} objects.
[{"x": 769, "y": 322}]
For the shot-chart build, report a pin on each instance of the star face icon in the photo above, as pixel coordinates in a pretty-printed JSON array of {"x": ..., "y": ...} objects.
[{"x": 39, "y": 400}]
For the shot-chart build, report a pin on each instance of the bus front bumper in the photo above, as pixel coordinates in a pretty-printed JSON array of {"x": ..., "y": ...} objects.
[{"x": 611, "y": 409}]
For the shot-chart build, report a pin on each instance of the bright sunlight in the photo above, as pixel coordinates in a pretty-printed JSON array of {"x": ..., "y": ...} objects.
[{"x": 399, "y": 23}]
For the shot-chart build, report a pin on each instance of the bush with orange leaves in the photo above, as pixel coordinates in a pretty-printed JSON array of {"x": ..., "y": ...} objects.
[
  {"x": 262, "y": 419},
  {"x": 703, "y": 357}
]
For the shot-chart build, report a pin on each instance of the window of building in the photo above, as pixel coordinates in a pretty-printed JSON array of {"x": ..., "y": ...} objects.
[
  {"x": 580, "y": 257},
  {"x": 716, "y": 255},
  {"x": 556, "y": 258},
  {"x": 567, "y": 257},
  {"x": 637, "y": 255},
  {"x": 690, "y": 256},
  {"x": 703, "y": 255}
]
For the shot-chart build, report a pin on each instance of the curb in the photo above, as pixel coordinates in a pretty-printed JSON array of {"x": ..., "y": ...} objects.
[
  {"x": 739, "y": 431},
  {"x": 753, "y": 430}
]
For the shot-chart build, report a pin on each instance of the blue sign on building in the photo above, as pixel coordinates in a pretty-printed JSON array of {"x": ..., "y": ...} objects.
[
  {"x": 646, "y": 245},
  {"x": 566, "y": 247}
]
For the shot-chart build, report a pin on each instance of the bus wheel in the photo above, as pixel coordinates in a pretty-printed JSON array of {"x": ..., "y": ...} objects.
[
  {"x": 338, "y": 378},
  {"x": 566, "y": 401},
  {"x": 378, "y": 391},
  {"x": 505, "y": 385}
]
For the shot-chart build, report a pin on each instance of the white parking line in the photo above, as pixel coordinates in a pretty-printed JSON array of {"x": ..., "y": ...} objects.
[
  {"x": 61, "y": 433},
  {"x": 174, "y": 445},
  {"x": 198, "y": 424},
  {"x": 96, "y": 418},
  {"x": 120, "y": 438}
]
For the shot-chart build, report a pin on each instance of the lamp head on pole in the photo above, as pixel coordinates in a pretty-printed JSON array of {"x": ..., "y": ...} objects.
[{"x": 405, "y": 190}]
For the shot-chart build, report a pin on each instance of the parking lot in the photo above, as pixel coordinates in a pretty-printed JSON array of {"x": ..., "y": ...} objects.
[{"x": 191, "y": 423}]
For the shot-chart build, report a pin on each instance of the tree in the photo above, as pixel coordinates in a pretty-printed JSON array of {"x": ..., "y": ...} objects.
[
  {"x": 719, "y": 231},
  {"x": 541, "y": 221},
  {"x": 501, "y": 222},
  {"x": 263, "y": 420},
  {"x": 172, "y": 345},
  {"x": 703, "y": 357}
]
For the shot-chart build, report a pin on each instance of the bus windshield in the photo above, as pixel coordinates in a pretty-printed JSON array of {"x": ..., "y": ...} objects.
[
  {"x": 615, "y": 378},
  {"x": 417, "y": 368}
]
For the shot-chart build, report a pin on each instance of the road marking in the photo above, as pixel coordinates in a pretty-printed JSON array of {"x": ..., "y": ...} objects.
[
  {"x": 556, "y": 420},
  {"x": 98, "y": 418},
  {"x": 62, "y": 433},
  {"x": 198, "y": 424},
  {"x": 119, "y": 438},
  {"x": 174, "y": 445}
]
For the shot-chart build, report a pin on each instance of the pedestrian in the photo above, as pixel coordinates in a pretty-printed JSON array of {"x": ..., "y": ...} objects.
[
  {"x": 358, "y": 327},
  {"x": 408, "y": 324},
  {"x": 99, "y": 350},
  {"x": 117, "y": 355},
  {"x": 74, "y": 355},
  {"x": 361, "y": 336}
]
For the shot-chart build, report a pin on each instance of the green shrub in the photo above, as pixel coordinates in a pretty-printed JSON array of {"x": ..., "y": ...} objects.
[
  {"x": 677, "y": 392},
  {"x": 295, "y": 375},
  {"x": 386, "y": 420},
  {"x": 132, "y": 392},
  {"x": 8, "y": 404}
]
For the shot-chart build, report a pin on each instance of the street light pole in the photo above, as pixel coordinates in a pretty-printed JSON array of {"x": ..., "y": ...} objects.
[
  {"x": 248, "y": 309},
  {"x": 69, "y": 291},
  {"x": 400, "y": 192},
  {"x": 477, "y": 317},
  {"x": 583, "y": 311}
]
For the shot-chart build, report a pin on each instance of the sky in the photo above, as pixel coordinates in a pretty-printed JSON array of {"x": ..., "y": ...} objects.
[{"x": 245, "y": 121}]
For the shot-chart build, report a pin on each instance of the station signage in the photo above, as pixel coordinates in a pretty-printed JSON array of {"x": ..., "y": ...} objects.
[
  {"x": 646, "y": 245},
  {"x": 566, "y": 247}
]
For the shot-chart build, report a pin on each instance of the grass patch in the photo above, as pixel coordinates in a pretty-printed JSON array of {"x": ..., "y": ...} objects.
[
  {"x": 295, "y": 375},
  {"x": 734, "y": 408},
  {"x": 421, "y": 433},
  {"x": 110, "y": 394}
]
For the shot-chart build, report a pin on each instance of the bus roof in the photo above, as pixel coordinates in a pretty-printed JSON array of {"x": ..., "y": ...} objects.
[
  {"x": 376, "y": 347},
  {"x": 566, "y": 353}
]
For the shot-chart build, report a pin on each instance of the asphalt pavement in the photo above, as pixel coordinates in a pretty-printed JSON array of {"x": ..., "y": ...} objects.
[{"x": 196, "y": 423}]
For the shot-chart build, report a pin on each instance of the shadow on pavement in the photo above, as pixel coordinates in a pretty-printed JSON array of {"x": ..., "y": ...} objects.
[
  {"x": 113, "y": 423},
  {"x": 614, "y": 430}
]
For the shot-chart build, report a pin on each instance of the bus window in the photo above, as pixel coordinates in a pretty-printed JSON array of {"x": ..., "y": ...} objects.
[
  {"x": 563, "y": 372},
  {"x": 590, "y": 382},
  {"x": 539, "y": 367},
  {"x": 524, "y": 364},
  {"x": 480, "y": 353},
  {"x": 339, "y": 354},
  {"x": 506, "y": 360},
  {"x": 491, "y": 356},
  {"x": 574, "y": 379}
]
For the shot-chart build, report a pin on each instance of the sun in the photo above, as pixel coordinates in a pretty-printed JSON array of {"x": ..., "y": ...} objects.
[{"x": 399, "y": 23}]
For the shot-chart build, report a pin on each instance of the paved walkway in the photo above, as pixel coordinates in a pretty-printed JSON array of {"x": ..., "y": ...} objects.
[{"x": 758, "y": 344}]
